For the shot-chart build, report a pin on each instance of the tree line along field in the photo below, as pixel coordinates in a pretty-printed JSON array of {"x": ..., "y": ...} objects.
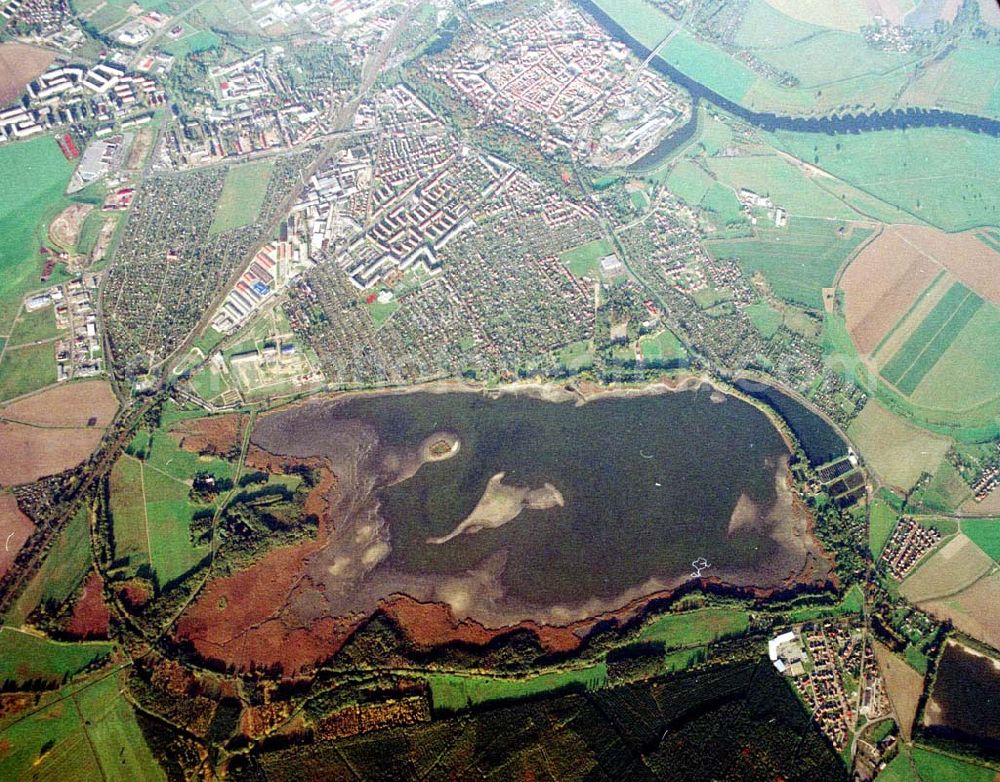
[
  {"x": 24, "y": 657},
  {"x": 64, "y": 568}
]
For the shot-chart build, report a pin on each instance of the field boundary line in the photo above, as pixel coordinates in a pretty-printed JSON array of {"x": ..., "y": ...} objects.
[{"x": 145, "y": 513}]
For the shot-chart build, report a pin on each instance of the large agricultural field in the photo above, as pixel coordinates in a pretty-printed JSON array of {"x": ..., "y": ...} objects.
[
  {"x": 895, "y": 450},
  {"x": 43, "y": 174},
  {"x": 242, "y": 196},
  {"x": 903, "y": 685},
  {"x": 152, "y": 509},
  {"x": 974, "y": 610},
  {"x": 19, "y": 64},
  {"x": 920, "y": 307},
  {"x": 26, "y": 369},
  {"x": 953, "y": 567},
  {"x": 797, "y": 261},
  {"x": 906, "y": 168},
  {"x": 83, "y": 731},
  {"x": 54, "y": 430}
]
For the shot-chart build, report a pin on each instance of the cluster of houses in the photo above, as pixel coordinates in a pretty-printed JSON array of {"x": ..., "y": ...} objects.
[{"x": 907, "y": 546}]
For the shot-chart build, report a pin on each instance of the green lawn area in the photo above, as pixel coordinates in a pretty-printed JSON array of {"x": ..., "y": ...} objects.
[
  {"x": 906, "y": 168},
  {"x": 985, "y": 533},
  {"x": 688, "y": 182},
  {"x": 797, "y": 261},
  {"x": 661, "y": 348},
  {"x": 34, "y": 327},
  {"x": 851, "y": 603},
  {"x": 24, "y": 657},
  {"x": 208, "y": 340},
  {"x": 41, "y": 173},
  {"x": 170, "y": 458},
  {"x": 67, "y": 562},
  {"x": 709, "y": 65},
  {"x": 585, "y": 260},
  {"x": 882, "y": 518},
  {"x": 939, "y": 767},
  {"x": 194, "y": 41},
  {"x": 765, "y": 319},
  {"x": 382, "y": 312},
  {"x": 697, "y": 627},
  {"x": 27, "y": 369},
  {"x": 170, "y": 512},
  {"x": 242, "y": 195},
  {"x": 451, "y": 692},
  {"x": 576, "y": 356},
  {"x": 917, "y": 659}
]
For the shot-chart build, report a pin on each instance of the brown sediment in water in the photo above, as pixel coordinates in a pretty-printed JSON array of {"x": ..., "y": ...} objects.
[
  {"x": 502, "y": 503},
  {"x": 314, "y": 594}
]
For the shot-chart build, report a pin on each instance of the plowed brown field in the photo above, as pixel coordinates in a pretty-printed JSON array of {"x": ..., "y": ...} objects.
[
  {"x": 35, "y": 452},
  {"x": 19, "y": 64},
  {"x": 70, "y": 404},
  {"x": 888, "y": 276}
]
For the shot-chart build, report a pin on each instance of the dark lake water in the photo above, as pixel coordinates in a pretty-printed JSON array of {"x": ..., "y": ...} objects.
[
  {"x": 965, "y": 702},
  {"x": 819, "y": 440},
  {"x": 650, "y": 483}
]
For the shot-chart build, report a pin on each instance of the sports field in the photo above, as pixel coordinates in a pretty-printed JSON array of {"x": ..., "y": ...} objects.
[
  {"x": 797, "y": 261},
  {"x": 42, "y": 174},
  {"x": 661, "y": 348},
  {"x": 585, "y": 260},
  {"x": 906, "y": 168},
  {"x": 242, "y": 196}
]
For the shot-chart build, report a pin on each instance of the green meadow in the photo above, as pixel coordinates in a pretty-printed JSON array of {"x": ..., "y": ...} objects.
[
  {"x": 24, "y": 657},
  {"x": 695, "y": 628},
  {"x": 35, "y": 174},
  {"x": 797, "y": 261},
  {"x": 585, "y": 260},
  {"x": 242, "y": 195},
  {"x": 906, "y": 168},
  {"x": 451, "y": 692}
]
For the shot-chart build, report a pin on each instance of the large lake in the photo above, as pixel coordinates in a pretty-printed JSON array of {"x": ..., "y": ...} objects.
[{"x": 645, "y": 485}]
